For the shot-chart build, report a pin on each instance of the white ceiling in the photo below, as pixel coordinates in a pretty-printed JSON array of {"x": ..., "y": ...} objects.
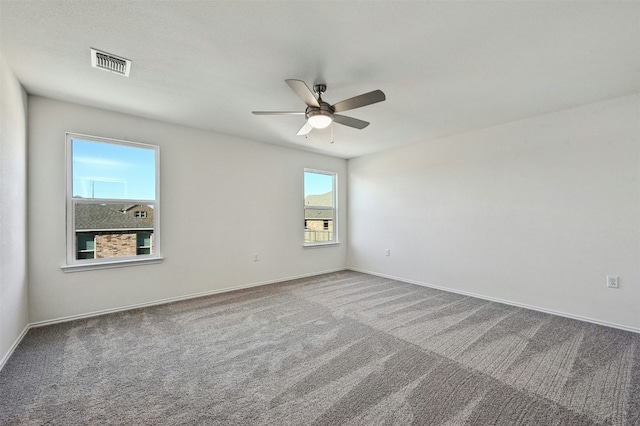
[{"x": 446, "y": 67}]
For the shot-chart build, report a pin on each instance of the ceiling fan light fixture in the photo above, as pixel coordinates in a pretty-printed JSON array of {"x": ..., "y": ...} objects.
[
  {"x": 319, "y": 114},
  {"x": 319, "y": 119}
]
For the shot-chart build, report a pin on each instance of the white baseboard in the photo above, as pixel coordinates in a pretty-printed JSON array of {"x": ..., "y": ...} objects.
[
  {"x": 6, "y": 357},
  {"x": 174, "y": 299},
  {"x": 13, "y": 347},
  {"x": 506, "y": 302}
]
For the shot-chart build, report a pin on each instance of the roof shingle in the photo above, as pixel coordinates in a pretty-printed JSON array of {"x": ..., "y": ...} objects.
[{"x": 103, "y": 217}]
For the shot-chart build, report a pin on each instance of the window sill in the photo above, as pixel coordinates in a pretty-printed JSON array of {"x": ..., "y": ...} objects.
[
  {"x": 109, "y": 265},
  {"x": 325, "y": 244}
]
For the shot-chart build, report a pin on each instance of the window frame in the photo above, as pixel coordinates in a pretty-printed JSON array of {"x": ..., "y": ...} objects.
[
  {"x": 334, "y": 209},
  {"x": 72, "y": 263}
]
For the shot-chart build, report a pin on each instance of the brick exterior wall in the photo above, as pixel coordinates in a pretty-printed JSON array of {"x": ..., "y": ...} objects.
[
  {"x": 115, "y": 245},
  {"x": 318, "y": 225}
]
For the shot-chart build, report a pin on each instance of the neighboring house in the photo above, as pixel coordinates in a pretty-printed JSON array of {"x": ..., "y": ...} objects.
[
  {"x": 104, "y": 231},
  {"x": 140, "y": 212},
  {"x": 318, "y": 223}
]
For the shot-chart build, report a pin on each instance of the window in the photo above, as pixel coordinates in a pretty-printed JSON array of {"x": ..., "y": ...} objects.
[
  {"x": 112, "y": 202},
  {"x": 144, "y": 242},
  {"x": 86, "y": 246},
  {"x": 319, "y": 207}
]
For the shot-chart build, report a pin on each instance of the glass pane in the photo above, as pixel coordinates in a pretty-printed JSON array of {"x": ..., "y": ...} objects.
[
  {"x": 318, "y": 189},
  {"x": 319, "y": 225},
  {"x": 86, "y": 242},
  {"x": 112, "y": 230},
  {"x": 110, "y": 170},
  {"x": 144, "y": 239}
]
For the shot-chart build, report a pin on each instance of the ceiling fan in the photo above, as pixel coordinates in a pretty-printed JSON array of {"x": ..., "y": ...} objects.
[{"x": 319, "y": 114}]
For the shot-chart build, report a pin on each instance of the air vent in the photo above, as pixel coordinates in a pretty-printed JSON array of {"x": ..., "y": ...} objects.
[{"x": 108, "y": 62}]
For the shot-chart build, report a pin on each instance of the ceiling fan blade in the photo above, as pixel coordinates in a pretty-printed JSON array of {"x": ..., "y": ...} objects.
[
  {"x": 303, "y": 92},
  {"x": 350, "y": 121},
  {"x": 360, "y": 101},
  {"x": 304, "y": 130},
  {"x": 277, "y": 112}
]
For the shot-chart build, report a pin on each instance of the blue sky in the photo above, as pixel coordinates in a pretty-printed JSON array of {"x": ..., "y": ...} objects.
[
  {"x": 107, "y": 170},
  {"x": 317, "y": 183}
]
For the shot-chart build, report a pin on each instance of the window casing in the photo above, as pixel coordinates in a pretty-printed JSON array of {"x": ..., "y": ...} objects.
[
  {"x": 320, "y": 207},
  {"x": 113, "y": 205}
]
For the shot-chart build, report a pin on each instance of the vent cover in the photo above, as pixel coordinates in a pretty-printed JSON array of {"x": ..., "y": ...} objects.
[{"x": 108, "y": 62}]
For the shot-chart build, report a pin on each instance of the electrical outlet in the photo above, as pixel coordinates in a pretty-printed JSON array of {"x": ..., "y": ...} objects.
[
  {"x": 387, "y": 252},
  {"x": 612, "y": 281}
]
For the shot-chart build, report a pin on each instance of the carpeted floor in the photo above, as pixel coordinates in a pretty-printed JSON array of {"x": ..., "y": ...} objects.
[{"x": 338, "y": 349}]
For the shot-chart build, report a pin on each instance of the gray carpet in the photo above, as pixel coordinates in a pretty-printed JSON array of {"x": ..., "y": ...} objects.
[{"x": 338, "y": 349}]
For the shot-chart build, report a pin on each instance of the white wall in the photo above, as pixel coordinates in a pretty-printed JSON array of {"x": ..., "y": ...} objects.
[
  {"x": 13, "y": 211},
  {"x": 223, "y": 199},
  {"x": 536, "y": 212}
]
